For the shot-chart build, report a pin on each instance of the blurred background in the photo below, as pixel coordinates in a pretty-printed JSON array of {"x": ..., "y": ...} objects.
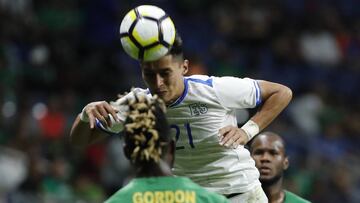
[{"x": 58, "y": 55}]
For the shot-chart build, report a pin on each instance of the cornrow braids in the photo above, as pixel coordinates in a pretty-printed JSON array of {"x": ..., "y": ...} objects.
[{"x": 146, "y": 129}]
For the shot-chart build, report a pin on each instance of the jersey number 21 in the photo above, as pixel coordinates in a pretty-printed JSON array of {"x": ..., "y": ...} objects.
[{"x": 188, "y": 132}]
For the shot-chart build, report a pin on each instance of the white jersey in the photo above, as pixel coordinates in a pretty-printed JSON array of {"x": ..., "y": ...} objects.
[{"x": 206, "y": 105}]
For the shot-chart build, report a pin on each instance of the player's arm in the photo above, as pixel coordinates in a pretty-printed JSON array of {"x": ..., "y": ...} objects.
[
  {"x": 84, "y": 130},
  {"x": 275, "y": 97}
]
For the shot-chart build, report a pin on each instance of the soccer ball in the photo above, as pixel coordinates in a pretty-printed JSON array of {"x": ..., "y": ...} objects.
[{"x": 147, "y": 33}]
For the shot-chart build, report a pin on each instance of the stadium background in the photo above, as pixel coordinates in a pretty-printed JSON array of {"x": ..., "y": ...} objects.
[{"x": 58, "y": 55}]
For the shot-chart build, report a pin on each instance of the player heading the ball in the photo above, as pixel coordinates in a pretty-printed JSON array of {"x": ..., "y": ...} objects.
[{"x": 147, "y": 33}]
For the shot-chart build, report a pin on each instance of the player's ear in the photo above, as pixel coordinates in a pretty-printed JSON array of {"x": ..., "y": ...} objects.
[
  {"x": 185, "y": 66},
  {"x": 286, "y": 163}
]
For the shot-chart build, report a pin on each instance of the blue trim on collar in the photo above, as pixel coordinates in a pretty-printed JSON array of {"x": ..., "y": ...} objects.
[
  {"x": 208, "y": 82},
  {"x": 181, "y": 98}
]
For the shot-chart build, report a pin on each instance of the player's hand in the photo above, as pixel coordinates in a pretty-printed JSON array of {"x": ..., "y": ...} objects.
[
  {"x": 100, "y": 110},
  {"x": 232, "y": 136}
]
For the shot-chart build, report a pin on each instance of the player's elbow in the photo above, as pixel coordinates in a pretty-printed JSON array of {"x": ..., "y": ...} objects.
[
  {"x": 286, "y": 93},
  {"x": 77, "y": 142},
  {"x": 78, "y": 138}
]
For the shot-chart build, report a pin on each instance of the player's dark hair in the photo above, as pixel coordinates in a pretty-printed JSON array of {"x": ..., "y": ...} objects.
[
  {"x": 267, "y": 133},
  {"x": 177, "y": 48},
  {"x": 146, "y": 130}
]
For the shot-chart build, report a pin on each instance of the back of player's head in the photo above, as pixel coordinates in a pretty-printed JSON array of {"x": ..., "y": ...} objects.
[
  {"x": 177, "y": 48},
  {"x": 146, "y": 130}
]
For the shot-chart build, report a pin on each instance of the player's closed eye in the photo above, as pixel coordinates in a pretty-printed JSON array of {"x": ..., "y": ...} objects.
[
  {"x": 258, "y": 152},
  {"x": 149, "y": 74},
  {"x": 165, "y": 74}
]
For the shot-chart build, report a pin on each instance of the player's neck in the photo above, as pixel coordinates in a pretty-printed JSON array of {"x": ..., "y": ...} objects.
[
  {"x": 274, "y": 192},
  {"x": 179, "y": 92},
  {"x": 154, "y": 170}
]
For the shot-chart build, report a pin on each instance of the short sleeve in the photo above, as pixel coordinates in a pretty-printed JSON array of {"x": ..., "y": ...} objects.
[{"x": 237, "y": 92}]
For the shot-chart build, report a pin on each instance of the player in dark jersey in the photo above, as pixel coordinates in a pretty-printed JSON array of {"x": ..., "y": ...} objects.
[{"x": 268, "y": 151}]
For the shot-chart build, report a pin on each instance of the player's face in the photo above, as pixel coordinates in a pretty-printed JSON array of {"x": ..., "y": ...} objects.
[
  {"x": 164, "y": 77},
  {"x": 269, "y": 155}
]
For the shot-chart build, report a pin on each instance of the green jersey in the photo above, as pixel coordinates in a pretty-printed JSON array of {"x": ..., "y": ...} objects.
[
  {"x": 164, "y": 190},
  {"x": 292, "y": 198}
]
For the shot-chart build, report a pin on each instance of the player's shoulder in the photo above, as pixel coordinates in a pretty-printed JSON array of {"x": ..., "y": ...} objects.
[
  {"x": 206, "y": 79},
  {"x": 204, "y": 195},
  {"x": 293, "y": 198},
  {"x": 129, "y": 95},
  {"x": 139, "y": 90},
  {"x": 121, "y": 194},
  {"x": 203, "y": 77},
  {"x": 199, "y": 80}
]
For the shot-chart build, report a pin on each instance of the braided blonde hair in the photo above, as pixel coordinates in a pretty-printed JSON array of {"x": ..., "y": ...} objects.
[{"x": 146, "y": 129}]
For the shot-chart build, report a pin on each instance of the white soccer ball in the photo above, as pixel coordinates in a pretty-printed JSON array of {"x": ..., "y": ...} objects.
[{"x": 147, "y": 33}]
